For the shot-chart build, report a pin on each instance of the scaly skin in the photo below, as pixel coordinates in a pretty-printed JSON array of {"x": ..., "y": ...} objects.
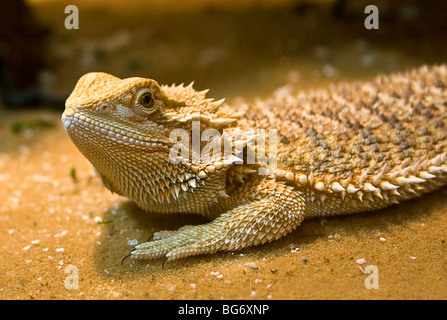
[{"x": 352, "y": 148}]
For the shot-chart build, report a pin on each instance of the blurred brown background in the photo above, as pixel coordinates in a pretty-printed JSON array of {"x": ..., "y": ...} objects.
[{"x": 246, "y": 48}]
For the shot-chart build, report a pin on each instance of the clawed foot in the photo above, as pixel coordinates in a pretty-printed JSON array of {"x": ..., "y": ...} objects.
[
  {"x": 170, "y": 245},
  {"x": 247, "y": 225}
]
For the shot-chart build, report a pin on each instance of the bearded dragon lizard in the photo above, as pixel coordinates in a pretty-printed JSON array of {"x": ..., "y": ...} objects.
[{"x": 351, "y": 148}]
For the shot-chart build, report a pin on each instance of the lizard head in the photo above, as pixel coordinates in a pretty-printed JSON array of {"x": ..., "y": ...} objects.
[{"x": 124, "y": 128}]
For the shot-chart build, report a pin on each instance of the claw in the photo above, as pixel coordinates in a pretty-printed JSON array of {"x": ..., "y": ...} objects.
[
  {"x": 164, "y": 260},
  {"x": 150, "y": 238},
  {"x": 127, "y": 255}
]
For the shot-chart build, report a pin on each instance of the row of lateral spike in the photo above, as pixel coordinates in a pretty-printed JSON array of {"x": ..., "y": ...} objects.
[{"x": 393, "y": 180}]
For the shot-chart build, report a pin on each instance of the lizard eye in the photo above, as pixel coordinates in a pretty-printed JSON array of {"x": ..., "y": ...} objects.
[{"x": 145, "y": 99}]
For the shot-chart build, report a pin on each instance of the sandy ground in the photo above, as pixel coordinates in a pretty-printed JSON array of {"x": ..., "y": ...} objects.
[{"x": 63, "y": 235}]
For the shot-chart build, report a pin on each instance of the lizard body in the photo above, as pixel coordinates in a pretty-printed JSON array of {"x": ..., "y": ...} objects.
[{"x": 352, "y": 148}]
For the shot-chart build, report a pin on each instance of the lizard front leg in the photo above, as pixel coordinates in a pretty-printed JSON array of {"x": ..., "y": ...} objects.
[{"x": 274, "y": 211}]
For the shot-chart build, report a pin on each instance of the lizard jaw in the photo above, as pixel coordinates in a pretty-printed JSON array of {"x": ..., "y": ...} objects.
[{"x": 73, "y": 121}]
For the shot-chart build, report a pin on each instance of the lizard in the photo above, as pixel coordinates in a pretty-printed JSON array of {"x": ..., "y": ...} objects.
[{"x": 350, "y": 148}]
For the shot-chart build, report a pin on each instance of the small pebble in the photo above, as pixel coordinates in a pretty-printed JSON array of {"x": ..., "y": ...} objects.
[
  {"x": 252, "y": 266},
  {"x": 171, "y": 287},
  {"x": 361, "y": 261},
  {"x": 217, "y": 274},
  {"x": 382, "y": 239}
]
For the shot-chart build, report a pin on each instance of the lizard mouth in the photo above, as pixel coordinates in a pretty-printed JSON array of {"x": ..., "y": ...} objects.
[{"x": 80, "y": 126}]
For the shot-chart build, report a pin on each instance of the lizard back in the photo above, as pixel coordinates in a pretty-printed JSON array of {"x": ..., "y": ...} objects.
[{"x": 366, "y": 132}]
